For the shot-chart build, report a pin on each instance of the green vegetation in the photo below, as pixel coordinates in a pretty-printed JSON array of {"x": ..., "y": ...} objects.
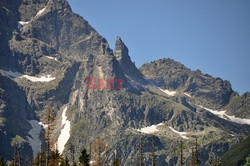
[
  {"x": 84, "y": 157},
  {"x": 237, "y": 154},
  {"x": 247, "y": 161},
  {"x": 17, "y": 140},
  {"x": 234, "y": 101}
]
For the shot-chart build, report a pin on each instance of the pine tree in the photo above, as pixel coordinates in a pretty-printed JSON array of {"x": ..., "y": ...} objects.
[
  {"x": 17, "y": 142},
  {"x": 116, "y": 162},
  {"x": 1, "y": 161},
  {"x": 40, "y": 159},
  {"x": 99, "y": 146},
  {"x": 64, "y": 162},
  {"x": 72, "y": 152},
  {"x": 195, "y": 154},
  {"x": 181, "y": 154},
  {"x": 140, "y": 152},
  {"x": 54, "y": 158},
  {"x": 84, "y": 157},
  {"x": 174, "y": 153},
  {"x": 153, "y": 151},
  {"x": 49, "y": 118}
]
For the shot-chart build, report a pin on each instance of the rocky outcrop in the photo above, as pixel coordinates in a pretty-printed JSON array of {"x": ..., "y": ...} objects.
[
  {"x": 53, "y": 41},
  {"x": 122, "y": 55},
  {"x": 172, "y": 75}
]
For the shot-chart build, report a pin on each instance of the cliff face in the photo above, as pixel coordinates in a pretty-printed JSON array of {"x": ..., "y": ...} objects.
[{"x": 47, "y": 56}]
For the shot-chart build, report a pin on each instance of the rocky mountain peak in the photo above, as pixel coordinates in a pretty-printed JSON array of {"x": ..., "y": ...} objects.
[{"x": 122, "y": 55}]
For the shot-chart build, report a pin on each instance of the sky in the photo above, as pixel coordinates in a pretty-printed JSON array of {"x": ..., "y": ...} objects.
[{"x": 210, "y": 35}]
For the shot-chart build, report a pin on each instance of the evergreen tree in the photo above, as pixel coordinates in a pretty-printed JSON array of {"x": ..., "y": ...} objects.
[
  {"x": 247, "y": 161},
  {"x": 54, "y": 158},
  {"x": 84, "y": 157},
  {"x": 1, "y": 161},
  {"x": 49, "y": 118},
  {"x": 64, "y": 162},
  {"x": 181, "y": 154},
  {"x": 17, "y": 143},
  {"x": 195, "y": 154},
  {"x": 116, "y": 162},
  {"x": 72, "y": 152},
  {"x": 40, "y": 159},
  {"x": 153, "y": 151},
  {"x": 140, "y": 152},
  {"x": 99, "y": 146}
]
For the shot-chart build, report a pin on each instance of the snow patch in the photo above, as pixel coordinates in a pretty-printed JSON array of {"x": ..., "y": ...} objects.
[
  {"x": 46, "y": 78},
  {"x": 223, "y": 115},
  {"x": 40, "y": 12},
  {"x": 91, "y": 162},
  {"x": 44, "y": 125},
  {"x": 22, "y": 23},
  {"x": 111, "y": 112},
  {"x": 168, "y": 92},
  {"x": 65, "y": 132},
  {"x": 51, "y": 57},
  {"x": 188, "y": 95},
  {"x": 150, "y": 129},
  {"x": 180, "y": 133},
  {"x": 34, "y": 139}
]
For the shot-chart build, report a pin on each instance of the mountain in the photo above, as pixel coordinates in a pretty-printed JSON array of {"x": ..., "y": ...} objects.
[
  {"x": 53, "y": 59},
  {"x": 237, "y": 154}
]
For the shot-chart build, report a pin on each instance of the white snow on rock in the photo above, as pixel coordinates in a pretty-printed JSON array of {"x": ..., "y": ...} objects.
[
  {"x": 22, "y": 23},
  {"x": 40, "y": 11},
  {"x": 34, "y": 139},
  {"x": 180, "y": 133},
  {"x": 188, "y": 95},
  {"x": 91, "y": 162},
  {"x": 51, "y": 57},
  {"x": 222, "y": 114},
  {"x": 168, "y": 92},
  {"x": 65, "y": 132},
  {"x": 46, "y": 78},
  {"x": 44, "y": 125},
  {"x": 150, "y": 129}
]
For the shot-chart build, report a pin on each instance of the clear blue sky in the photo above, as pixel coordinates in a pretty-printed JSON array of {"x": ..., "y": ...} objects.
[{"x": 210, "y": 35}]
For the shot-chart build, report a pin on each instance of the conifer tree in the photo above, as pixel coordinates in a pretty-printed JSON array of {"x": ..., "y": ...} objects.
[
  {"x": 72, "y": 152},
  {"x": 64, "y": 162},
  {"x": 116, "y": 162},
  {"x": 140, "y": 152},
  {"x": 195, "y": 154},
  {"x": 99, "y": 146},
  {"x": 17, "y": 142},
  {"x": 49, "y": 118},
  {"x": 84, "y": 157},
  {"x": 54, "y": 158},
  {"x": 1, "y": 161},
  {"x": 40, "y": 159},
  {"x": 153, "y": 151},
  {"x": 181, "y": 154}
]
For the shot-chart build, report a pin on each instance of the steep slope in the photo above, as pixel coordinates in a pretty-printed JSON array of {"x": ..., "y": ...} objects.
[
  {"x": 51, "y": 53},
  {"x": 15, "y": 114},
  {"x": 122, "y": 55},
  {"x": 212, "y": 92},
  {"x": 237, "y": 154}
]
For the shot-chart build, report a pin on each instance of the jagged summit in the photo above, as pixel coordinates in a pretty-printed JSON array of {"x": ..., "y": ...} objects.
[
  {"x": 48, "y": 54},
  {"x": 122, "y": 55}
]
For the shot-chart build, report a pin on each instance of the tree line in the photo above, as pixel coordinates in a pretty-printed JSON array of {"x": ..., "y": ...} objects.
[
  {"x": 50, "y": 156},
  {"x": 94, "y": 156}
]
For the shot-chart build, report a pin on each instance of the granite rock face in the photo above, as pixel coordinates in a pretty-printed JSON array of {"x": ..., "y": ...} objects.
[
  {"x": 47, "y": 56},
  {"x": 214, "y": 92}
]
